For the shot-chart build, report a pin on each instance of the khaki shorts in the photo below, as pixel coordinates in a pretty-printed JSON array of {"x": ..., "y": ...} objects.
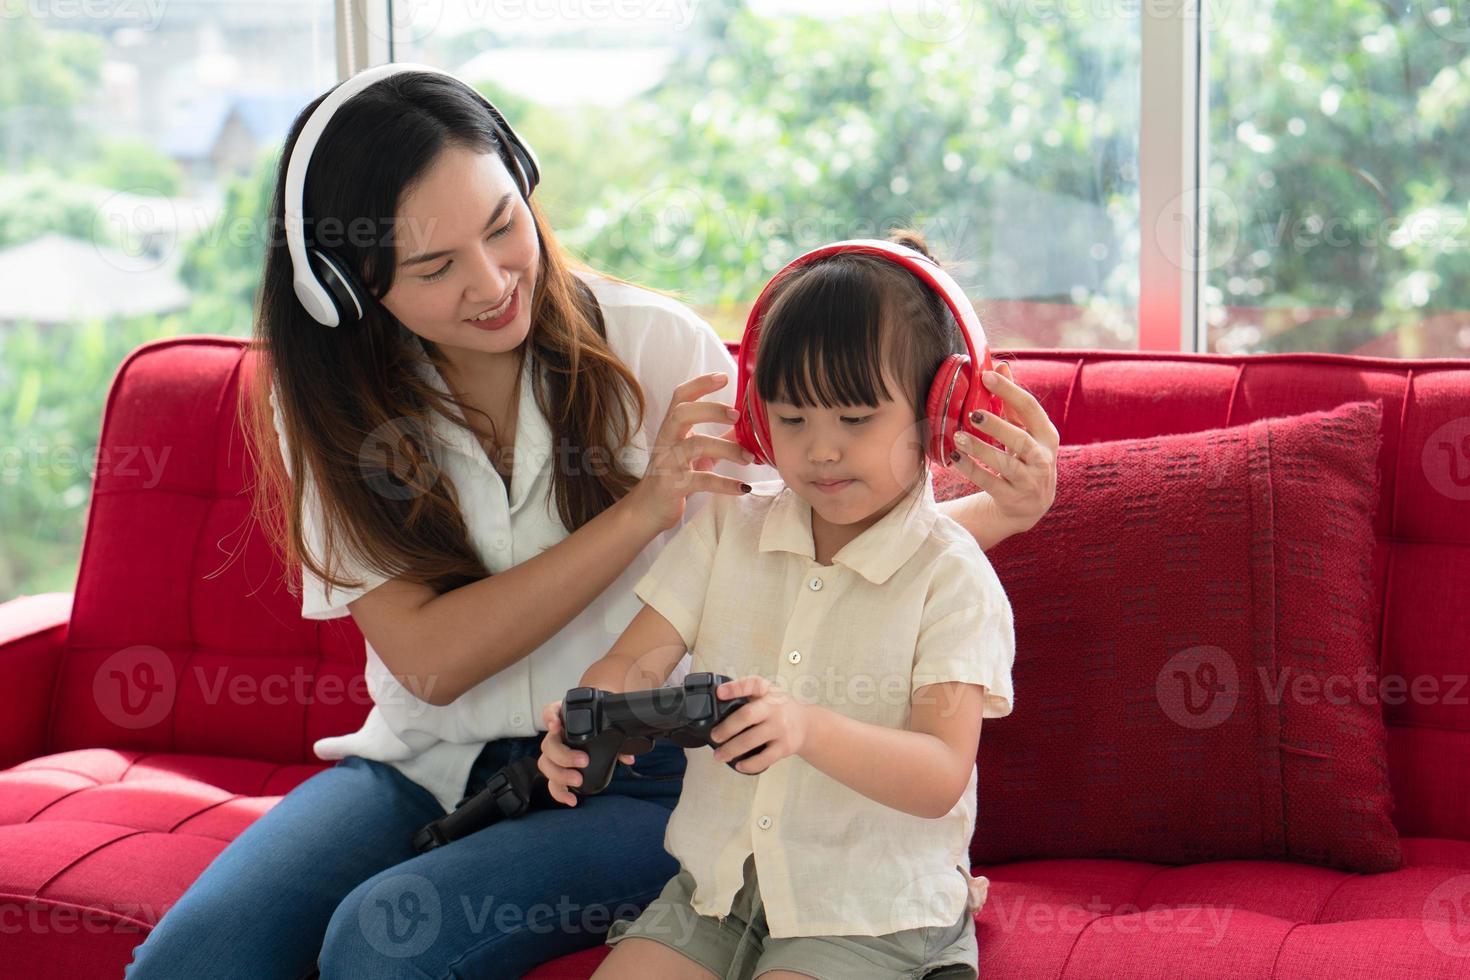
[{"x": 739, "y": 948}]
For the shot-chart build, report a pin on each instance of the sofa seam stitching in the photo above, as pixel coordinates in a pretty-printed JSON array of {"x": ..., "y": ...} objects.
[
  {"x": 1072, "y": 386},
  {"x": 1398, "y": 459},
  {"x": 82, "y": 857},
  {"x": 129, "y": 767},
  {"x": 1235, "y": 387},
  {"x": 1280, "y": 948},
  {"x": 174, "y": 829},
  {"x": 1393, "y": 522},
  {"x": 1349, "y": 876},
  {"x": 77, "y": 905},
  {"x": 64, "y": 796}
]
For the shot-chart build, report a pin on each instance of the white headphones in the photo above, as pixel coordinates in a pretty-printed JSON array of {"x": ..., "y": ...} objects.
[{"x": 326, "y": 290}]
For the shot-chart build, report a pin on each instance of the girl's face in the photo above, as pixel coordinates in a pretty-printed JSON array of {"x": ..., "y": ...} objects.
[
  {"x": 852, "y": 464},
  {"x": 467, "y": 256}
]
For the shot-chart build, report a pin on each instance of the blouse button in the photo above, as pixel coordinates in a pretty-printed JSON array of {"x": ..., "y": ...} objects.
[
  {"x": 815, "y": 585},
  {"x": 794, "y": 656},
  {"x": 764, "y": 823}
]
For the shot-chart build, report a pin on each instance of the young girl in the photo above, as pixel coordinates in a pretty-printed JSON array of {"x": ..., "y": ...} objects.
[{"x": 871, "y": 635}]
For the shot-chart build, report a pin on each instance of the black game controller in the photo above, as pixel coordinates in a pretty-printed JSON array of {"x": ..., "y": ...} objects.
[
  {"x": 605, "y": 725},
  {"x": 512, "y": 792}
]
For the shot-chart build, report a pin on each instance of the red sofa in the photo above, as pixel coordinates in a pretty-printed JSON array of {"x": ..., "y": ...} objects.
[{"x": 175, "y": 696}]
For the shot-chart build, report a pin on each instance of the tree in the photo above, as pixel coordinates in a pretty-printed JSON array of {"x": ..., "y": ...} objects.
[
  {"x": 131, "y": 164},
  {"x": 1331, "y": 126},
  {"x": 44, "y": 76}
]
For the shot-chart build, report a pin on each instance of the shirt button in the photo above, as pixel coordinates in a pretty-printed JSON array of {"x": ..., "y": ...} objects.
[
  {"x": 794, "y": 656},
  {"x": 500, "y": 541},
  {"x": 764, "y": 823},
  {"x": 815, "y": 585},
  {"x": 516, "y": 719}
]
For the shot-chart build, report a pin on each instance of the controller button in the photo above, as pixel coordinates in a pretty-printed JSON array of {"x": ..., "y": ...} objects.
[
  {"x": 764, "y": 823},
  {"x": 794, "y": 656},
  {"x": 698, "y": 706},
  {"x": 815, "y": 585},
  {"x": 579, "y": 720}
]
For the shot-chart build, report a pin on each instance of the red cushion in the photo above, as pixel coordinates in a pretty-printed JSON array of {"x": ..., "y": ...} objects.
[
  {"x": 1176, "y": 584},
  {"x": 1079, "y": 919},
  {"x": 97, "y": 844},
  {"x": 1219, "y": 921}
]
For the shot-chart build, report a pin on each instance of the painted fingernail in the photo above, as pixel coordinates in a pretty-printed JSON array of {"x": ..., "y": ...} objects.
[
  {"x": 978, "y": 417},
  {"x": 745, "y": 488},
  {"x": 954, "y": 457}
]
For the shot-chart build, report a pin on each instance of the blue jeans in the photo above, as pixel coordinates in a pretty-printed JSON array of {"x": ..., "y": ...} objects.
[{"x": 328, "y": 877}]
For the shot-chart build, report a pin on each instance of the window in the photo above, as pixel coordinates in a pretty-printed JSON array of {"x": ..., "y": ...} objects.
[
  {"x": 1339, "y": 209},
  {"x": 700, "y": 147},
  {"x": 134, "y": 138}
]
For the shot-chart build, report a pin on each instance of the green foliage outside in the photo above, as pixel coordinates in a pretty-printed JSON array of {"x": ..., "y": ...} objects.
[
  {"x": 1332, "y": 126},
  {"x": 773, "y": 135}
]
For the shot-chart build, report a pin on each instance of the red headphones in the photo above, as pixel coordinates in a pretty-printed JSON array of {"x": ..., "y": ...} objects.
[{"x": 955, "y": 392}]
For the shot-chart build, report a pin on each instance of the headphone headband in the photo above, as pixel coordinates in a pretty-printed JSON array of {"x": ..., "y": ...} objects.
[
  {"x": 328, "y": 306},
  {"x": 931, "y": 274},
  {"x": 911, "y": 259}
]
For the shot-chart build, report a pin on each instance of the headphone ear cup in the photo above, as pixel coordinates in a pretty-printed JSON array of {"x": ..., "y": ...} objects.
[
  {"x": 746, "y": 429},
  {"x": 529, "y": 170},
  {"x": 945, "y": 403},
  {"x": 345, "y": 291}
]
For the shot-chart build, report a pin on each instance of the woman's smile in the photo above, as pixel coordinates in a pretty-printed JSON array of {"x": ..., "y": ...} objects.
[{"x": 497, "y": 317}]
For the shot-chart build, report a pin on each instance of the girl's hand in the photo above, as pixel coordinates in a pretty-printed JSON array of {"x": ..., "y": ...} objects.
[
  {"x": 559, "y": 762},
  {"x": 772, "y": 718},
  {"x": 1022, "y": 478},
  {"x": 678, "y": 462}
]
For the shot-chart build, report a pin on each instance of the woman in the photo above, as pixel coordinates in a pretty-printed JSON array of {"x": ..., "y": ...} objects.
[{"x": 479, "y": 471}]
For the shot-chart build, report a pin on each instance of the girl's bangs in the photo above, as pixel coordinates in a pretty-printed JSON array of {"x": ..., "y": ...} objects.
[{"x": 821, "y": 340}]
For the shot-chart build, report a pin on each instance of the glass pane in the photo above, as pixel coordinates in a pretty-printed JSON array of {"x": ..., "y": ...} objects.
[
  {"x": 699, "y": 147},
  {"x": 1340, "y": 178},
  {"x": 137, "y": 140}
]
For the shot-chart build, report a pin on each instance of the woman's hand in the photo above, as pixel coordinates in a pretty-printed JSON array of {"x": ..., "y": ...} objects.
[
  {"x": 678, "y": 463},
  {"x": 1022, "y": 478},
  {"x": 772, "y": 718},
  {"x": 559, "y": 762}
]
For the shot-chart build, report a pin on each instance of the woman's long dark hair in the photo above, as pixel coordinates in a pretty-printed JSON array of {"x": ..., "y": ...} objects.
[{"x": 355, "y": 412}]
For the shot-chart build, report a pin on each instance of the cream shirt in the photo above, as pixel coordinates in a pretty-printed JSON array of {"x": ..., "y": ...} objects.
[
  {"x": 664, "y": 344},
  {"x": 911, "y": 601}
]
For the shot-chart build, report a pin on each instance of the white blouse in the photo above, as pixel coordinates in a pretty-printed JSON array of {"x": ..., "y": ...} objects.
[{"x": 663, "y": 344}]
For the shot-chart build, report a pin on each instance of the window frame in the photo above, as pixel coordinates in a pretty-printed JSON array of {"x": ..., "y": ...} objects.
[{"x": 1171, "y": 154}]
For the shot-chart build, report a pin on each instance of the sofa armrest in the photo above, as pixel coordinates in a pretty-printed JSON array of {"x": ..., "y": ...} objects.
[{"x": 32, "y": 634}]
